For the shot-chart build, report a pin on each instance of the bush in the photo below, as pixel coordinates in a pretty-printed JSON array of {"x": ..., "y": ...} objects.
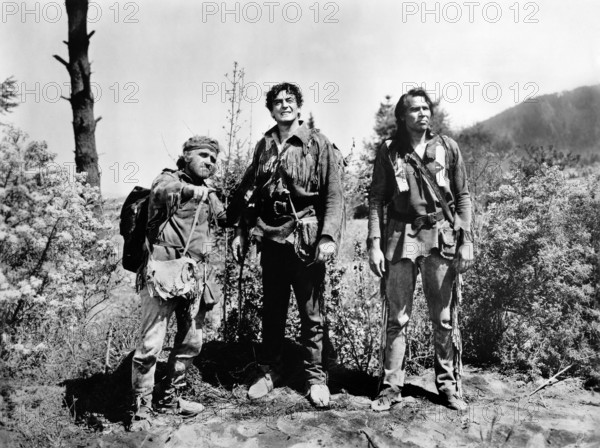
[
  {"x": 530, "y": 303},
  {"x": 56, "y": 265}
]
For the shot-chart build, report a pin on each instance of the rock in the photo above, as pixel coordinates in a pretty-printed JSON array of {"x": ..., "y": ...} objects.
[{"x": 537, "y": 441}]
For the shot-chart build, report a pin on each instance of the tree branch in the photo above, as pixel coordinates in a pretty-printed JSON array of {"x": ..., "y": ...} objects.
[
  {"x": 370, "y": 439},
  {"x": 21, "y": 302},
  {"x": 61, "y": 60},
  {"x": 549, "y": 381},
  {"x": 47, "y": 248}
]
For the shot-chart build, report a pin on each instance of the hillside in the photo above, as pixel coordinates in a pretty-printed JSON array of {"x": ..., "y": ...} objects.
[{"x": 568, "y": 120}]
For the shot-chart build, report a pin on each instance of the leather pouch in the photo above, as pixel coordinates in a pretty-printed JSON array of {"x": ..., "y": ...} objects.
[
  {"x": 171, "y": 278},
  {"x": 447, "y": 240},
  {"x": 211, "y": 292},
  {"x": 306, "y": 235}
]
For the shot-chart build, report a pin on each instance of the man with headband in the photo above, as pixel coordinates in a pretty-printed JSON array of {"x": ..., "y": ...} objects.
[{"x": 181, "y": 210}]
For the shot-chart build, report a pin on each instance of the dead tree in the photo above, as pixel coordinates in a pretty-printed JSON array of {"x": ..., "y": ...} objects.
[{"x": 82, "y": 98}]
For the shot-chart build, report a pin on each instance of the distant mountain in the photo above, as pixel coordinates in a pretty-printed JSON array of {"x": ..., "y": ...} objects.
[{"x": 568, "y": 120}]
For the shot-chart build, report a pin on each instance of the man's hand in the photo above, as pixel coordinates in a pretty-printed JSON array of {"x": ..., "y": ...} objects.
[
  {"x": 464, "y": 258},
  {"x": 238, "y": 245},
  {"x": 376, "y": 259},
  {"x": 199, "y": 192},
  {"x": 325, "y": 249}
]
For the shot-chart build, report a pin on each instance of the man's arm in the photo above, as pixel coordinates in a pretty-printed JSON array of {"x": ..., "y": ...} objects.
[
  {"x": 462, "y": 221},
  {"x": 333, "y": 197},
  {"x": 217, "y": 209},
  {"x": 167, "y": 193},
  {"x": 168, "y": 190},
  {"x": 460, "y": 190},
  {"x": 377, "y": 197},
  {"x": 243, "y": 193},
  {"x": 164, "y": 197}
]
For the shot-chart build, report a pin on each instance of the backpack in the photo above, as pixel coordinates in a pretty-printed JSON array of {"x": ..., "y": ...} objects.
[{"x": 132, "y": 226}]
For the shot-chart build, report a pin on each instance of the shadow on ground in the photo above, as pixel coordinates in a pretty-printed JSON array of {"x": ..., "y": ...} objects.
[
  {"x": 105, "y": 394},
  {"x": 222, "y": 368},
  {"x": 228, "y": 365}
]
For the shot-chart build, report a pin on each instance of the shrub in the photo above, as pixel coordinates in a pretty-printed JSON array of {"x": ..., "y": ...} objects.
[
  {"x": 530, "y": 303},
  {"x": 56, "y": 265},
  {"x": 353, "y": 307}
]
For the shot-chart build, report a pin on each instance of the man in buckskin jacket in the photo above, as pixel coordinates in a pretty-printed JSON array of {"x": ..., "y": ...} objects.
[
  {"x": 418, "y": 237},
  {"x": 295, "y": 175}
]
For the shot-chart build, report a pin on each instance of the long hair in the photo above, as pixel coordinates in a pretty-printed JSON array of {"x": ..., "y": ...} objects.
[{"x": 402, "y": 108}]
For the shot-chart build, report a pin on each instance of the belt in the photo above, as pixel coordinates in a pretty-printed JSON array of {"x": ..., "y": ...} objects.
[
  {"x": 427, "y": 220},
  {"x": 281, "y": 208}
]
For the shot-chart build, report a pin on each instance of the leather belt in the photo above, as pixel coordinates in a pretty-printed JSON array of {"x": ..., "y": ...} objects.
[{"x": 427, "y": 220}]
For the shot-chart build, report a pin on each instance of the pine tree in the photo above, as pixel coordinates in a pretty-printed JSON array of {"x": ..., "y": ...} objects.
[{"x": 8, "y": 89}]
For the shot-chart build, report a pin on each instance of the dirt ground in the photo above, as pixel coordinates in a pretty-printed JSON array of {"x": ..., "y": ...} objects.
[{"x": 500, "y": 412}]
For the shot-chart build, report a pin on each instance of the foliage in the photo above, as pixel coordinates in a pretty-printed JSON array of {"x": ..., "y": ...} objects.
[
  {"x": 353, "y": 308},
  {"x": 353, "y": 304},
  {"x": 238, "y": 150},
  {"x": 56, "y": 266},
  {"x": 244, "y": 316},
  {"x": 8, "y": 95},
  {"x": 241, "y": 307},
  {"x": 530, "y": 303},
  {"x": 532, "y": 157}
]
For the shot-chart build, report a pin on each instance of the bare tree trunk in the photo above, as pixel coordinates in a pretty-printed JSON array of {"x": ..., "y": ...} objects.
[{"x": 82, "y": 99}]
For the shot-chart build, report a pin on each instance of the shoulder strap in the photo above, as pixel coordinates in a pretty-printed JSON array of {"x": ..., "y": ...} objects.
[
  {"x": 189, "y": 239},
  {"x": 187, "y": 245},
  {"x": 433, "y": 184}
]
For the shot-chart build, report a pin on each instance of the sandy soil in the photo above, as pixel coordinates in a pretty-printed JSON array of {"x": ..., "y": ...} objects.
[
  {"x": 500, "y": 414},
  {"x": 563, "y": 415}
]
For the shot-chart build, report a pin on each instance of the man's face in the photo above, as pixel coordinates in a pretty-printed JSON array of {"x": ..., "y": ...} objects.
[
  {"x": 418, "y": 114},
  {"x": 285, "y": 108},
  {"x": 201, "y": 163}
]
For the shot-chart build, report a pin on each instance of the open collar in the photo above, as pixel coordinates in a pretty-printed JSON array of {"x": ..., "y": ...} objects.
[
  {"x": 302, "y": 134},
  {"x": 402, "y": 146}
]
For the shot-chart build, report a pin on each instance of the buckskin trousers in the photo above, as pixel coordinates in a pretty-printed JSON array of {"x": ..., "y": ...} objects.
[
  {"x": 437, "y": 275},
  {"x": 156, "y": 313}
]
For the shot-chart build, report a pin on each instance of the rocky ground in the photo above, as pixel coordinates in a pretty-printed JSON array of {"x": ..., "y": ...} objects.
[{"x": 88, "y": 412}]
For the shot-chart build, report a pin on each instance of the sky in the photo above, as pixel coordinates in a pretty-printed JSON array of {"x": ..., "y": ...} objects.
[{"x": 158, "y": 68}]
